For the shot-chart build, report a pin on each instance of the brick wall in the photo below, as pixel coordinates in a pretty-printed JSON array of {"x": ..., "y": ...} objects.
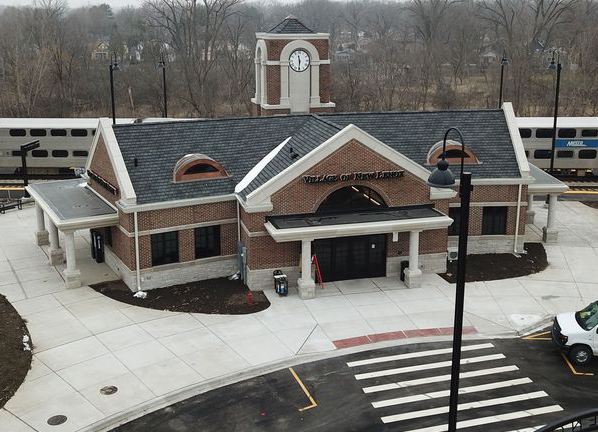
[
  {"x": 273, "y": 84},
  {"x": 101, "y": 165},
  {"x": 324, "y": 84},
  {"x": 275, "y": 47},
  {"x": 164, "y": 218}
]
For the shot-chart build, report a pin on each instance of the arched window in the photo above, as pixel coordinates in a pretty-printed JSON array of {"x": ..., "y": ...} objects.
[
  {"x": 352, "y": 198},
  {"x": 453, "y": 153},
  {"x": 197, "y": 167}
]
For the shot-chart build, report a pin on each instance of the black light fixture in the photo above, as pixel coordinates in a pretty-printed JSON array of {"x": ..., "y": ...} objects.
[
  {"x": 162, "y": 65},
  {"x": 555, "y": 66},
  {"x": 114, "y": 66},
  {"x": 504, "y": 62},
  {"x": 25, "y": 148},
  {"x": 442, "y": 177}
]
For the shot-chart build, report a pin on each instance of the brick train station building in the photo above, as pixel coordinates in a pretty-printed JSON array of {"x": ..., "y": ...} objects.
[{"x": 183, "y": 201}]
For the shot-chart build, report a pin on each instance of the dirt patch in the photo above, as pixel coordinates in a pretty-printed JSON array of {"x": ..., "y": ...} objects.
[
  {"x": 213, "y": 296},
  {"x": 487, "y": 267},
  {"x": 14, "y": 361}
]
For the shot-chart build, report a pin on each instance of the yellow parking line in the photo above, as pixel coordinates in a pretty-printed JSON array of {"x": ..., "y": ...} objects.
[
  {"x": 313, "y": 402},
  {"x": 538, "y": 336},
  {"x": 573, "y": 370}
]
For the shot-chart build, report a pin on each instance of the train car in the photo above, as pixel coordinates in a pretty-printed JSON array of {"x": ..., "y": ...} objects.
[{"x": 576, "y": 145}]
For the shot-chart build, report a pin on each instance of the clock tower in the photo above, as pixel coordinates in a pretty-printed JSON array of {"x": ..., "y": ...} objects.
[{"x": 292, "y": 70}]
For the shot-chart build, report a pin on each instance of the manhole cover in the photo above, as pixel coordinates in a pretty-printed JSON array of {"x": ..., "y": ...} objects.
[
  {"x": 108, "y": 390},
  {"x": 56, "y": 420}
]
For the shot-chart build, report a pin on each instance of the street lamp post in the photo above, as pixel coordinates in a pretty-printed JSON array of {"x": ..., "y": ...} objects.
[
  {"x": 504, "y": 62},
  {"x": 114, "y": 66},
  {"x": 555, "y": 66},
  {"x": 25, "y": 148},
  {"x": 162, "y": 65},
  {"x": 442, "y": 177}
]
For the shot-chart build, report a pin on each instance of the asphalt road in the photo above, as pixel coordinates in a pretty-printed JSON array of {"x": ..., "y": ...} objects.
[{"x": 274, "y": 402}]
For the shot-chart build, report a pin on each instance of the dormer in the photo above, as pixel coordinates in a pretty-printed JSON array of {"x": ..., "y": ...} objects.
[
  {"x": 453, "y": 153},
  {"x": 193, "y": 167}
]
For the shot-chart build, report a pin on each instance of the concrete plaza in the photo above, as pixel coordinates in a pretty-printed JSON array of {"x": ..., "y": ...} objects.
[{"x": 84, "y": 341}]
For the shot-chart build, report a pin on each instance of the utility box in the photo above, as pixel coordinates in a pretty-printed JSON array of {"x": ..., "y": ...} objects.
[
  {"x": 404, "y": 266},
  {"x": 281, "y": 283}
]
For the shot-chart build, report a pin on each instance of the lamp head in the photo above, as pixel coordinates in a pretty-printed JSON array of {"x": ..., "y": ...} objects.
[
  {"x": 505, "y": 60},
  {"x": 441, "y": 177}
]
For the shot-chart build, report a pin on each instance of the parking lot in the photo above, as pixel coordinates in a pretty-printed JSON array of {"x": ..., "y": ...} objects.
[{"x": 509, "y": 384}]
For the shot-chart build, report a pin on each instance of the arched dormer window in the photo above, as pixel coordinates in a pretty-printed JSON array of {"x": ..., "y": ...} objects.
[
  {"x": 197, "y": 167},
  {"x": 453, "y": 153}
]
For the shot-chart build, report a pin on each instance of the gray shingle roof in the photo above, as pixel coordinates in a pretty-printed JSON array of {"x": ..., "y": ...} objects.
[
  {"x": 290, "y": 25},
  {"x": 240, "y": 143}
]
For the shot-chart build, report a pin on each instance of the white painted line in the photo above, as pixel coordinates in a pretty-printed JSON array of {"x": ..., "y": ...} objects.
[
  {"x": 494, "y": 419},
  {"x": 427, "y": 366},
  {"x": 417, "y": 355},
  {"x": 532, "y": 429},
  {"x": 462, "y": 407},
  {"x": 445, "y": 393},
  {"x": 438, "y": 378}
]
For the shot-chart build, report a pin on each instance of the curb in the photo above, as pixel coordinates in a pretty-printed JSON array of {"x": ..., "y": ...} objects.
[{"x": 541, "y": 324}]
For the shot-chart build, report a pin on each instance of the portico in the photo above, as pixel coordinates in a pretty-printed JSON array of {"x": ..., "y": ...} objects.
[{"x": 67, "y": 206}]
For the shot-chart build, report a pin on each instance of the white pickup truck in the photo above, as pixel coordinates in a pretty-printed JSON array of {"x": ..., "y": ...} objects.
[{"x": 576, "y": 333}]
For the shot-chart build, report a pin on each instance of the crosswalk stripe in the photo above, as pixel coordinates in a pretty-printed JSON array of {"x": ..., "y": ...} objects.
[
  {"x": 462, "y": 407},
  {"x": 417, "y": 355},
  {"x": 493, "y": 419},
  {"x": 438, "y": 378},
  {"x": 445, "y": 393},
  {"x": 427, "y": 366}
]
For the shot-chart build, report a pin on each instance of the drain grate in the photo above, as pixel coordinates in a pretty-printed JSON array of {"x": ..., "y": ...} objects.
[
  {"x": 56, "y": 420},
  {"x": 108, "y": 390}
]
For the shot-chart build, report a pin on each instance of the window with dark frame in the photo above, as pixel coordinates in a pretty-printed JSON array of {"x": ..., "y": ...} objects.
[
  {"x": 494, "y": 221},
  {"x": 58, "y": 132},
  {"x": 79, "y": 132},
  {"x": 587, "y": 154},
  {"x": 165, "y": 248},
  {"x": 525, "y": 133},
  {"x": 589, "y": 132},
  {"x": 60, "y": 153},
  {"x": 542, "y": 154},
  {"x": 207, "y": 241},
  {"x": 564, "y": 154},
  {"x": 543, "y": 133},
  {"x": 80, "y": 153},
  {"x": 17, "y": 132},
  {"x": 37, "y": 132},
  {"x": 455, "y": 215},
  {"x": 39, "y": 153},
  {"x": 567, "y": 133}
]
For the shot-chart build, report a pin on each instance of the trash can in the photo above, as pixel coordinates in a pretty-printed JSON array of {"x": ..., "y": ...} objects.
[
  {"x": 281, "y": 284},
  {"x": 404, "y": 266}
]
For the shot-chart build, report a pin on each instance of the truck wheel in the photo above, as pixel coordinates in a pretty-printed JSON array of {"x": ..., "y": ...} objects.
[{"x": 580, "y": 355}]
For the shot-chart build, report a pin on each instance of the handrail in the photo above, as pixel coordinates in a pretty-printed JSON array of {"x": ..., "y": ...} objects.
[{"x": 584, "y": 421}]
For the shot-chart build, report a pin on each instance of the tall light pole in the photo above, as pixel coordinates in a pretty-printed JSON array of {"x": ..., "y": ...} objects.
[
  {"x": 552, "y": 67},
  {"x": 442, "y": 177},
  {"x": 504, "y": 62},
  {"x": 114, "y": 66},
  {"x": 162, "y": 65}
]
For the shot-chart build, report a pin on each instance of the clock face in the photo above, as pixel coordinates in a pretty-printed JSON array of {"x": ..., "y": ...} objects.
[{"x": 299, "y": 60}]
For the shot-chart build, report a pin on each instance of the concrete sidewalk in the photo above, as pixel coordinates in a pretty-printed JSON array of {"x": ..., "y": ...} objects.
[{"x": 85, "y": 341}]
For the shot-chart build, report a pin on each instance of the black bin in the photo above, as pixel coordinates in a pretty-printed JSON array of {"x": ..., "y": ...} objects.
[{"x": 404, "y": 266}]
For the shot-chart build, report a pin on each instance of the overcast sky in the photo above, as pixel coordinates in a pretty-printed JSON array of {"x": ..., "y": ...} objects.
[{"x": 77, "y": 3}]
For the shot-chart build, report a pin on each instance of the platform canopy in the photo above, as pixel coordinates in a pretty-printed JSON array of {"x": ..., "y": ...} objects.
[
  {"x": 72, "y": 205},
  {"x": 345, "y": 224},
  {"x": 544, "y": 183}
]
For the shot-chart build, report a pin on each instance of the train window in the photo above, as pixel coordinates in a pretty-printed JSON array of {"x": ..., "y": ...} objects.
[
  {"x": 527, "y": 153},
  {"x": 525, "y": 133},
  {"x": 60, "y": 153},
  {"x": 564, "y": 154},
  {"x": 587, "y": 154},
  {"x": 93, "y": 131},
  {"x": 543, "y": 133},
  {"x": 16, "y": 152},
  {"x": 37, "y": 132},
  {"x": 542, "y": 154},
  {"x": 589, "y": 132},
  {"x": 80, "y": 153},
  {"x": 18, "y": 132},
  {"x": 58, "y": 132},
  {"x": 79, "y": 132},
  {"x": 39, "y": 153},
  {"x": 567, "y": 133}
]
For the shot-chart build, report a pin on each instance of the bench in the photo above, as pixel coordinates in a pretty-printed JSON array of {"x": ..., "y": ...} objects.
[{"x": 11, "y": 205}]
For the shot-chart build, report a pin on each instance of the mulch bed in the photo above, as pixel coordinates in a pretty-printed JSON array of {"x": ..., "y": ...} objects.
[
  {"x": 14, "y": 361},
  {"x": 487, "y": 267},
  {"x": 213, "y": 296}
]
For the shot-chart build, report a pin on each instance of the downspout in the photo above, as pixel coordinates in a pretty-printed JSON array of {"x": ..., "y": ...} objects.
[
  {"x": 137, "y": 252},
  {"x": 238, "y": 223},
  {"x": 517, "y": 220}
]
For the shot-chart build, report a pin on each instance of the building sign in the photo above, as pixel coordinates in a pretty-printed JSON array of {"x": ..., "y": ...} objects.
[
  {"x": 102, "y": 182},
  {"x": 359, "y": 175},
  {"x": 576, "y": 143}
]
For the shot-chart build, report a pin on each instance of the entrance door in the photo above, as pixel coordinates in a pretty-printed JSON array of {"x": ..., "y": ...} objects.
[{"x": 351, "y": 257}]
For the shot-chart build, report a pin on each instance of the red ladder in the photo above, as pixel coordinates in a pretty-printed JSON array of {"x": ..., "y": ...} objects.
[{"x": 314, "y": 260}]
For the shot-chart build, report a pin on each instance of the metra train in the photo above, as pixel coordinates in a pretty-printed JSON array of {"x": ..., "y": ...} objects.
[{"x": 576, "y": 144}]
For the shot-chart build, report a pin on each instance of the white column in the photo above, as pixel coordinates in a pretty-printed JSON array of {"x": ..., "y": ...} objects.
[
  {"x": 56, "y": 254},
  {"x": 549, "y": 233},
  {"x": 413, "y": 273},
  {"x": 306, "y": 284},
  {"x": 41, "y": 235},
  {"x": 264, "y": 80},
  {"x": 315, "y": 84},
  {"x": 284, "y": 83},
  {"x": 72, "y": 275},
  {"x": 530, "y": 213}
]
